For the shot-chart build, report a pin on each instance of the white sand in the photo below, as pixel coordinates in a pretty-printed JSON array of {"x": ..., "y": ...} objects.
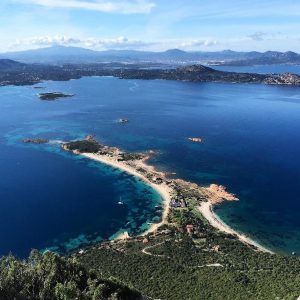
[
  {"x": 213, "y": 193},
  {"x": 206, "y": 208},
  {"x": 122, "y": 236}
]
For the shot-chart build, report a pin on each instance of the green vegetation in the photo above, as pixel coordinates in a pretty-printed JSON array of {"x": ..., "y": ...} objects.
[
  {"x": 125, "y": 156},
  {"x": 84, "y": 146},
  {"x": 171, "y": 264},
  {"x": 52, "y": 277},
  {"x": 206, "y": 264},
  {"x": 186, "y": 259}
]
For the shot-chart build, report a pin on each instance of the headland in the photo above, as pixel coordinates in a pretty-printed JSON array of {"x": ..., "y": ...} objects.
[{"x": 175, "y": 193}]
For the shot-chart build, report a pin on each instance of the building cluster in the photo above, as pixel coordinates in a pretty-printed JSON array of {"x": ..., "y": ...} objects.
[
  {"x": 175, "y": 203},
  {"x": 178, "y": 201}
]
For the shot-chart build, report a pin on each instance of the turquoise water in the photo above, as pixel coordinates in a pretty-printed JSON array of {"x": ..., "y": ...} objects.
[{"x": 49, "y": 198}]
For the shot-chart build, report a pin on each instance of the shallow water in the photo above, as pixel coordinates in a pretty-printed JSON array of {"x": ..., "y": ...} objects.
[{"x": 251, "y": 144}]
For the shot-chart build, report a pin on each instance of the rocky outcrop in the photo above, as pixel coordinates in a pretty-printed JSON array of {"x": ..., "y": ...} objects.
[
  {"x": 286, "y": 79},
  {"x": 35, "y": 141},
  {"x": 195, "y": 139},
  {"x": 53, "y": 96},
  {"x": 218, "y": 193}
]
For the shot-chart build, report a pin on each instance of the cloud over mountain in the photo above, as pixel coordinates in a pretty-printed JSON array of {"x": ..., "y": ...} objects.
[{"x": 114, "y": 43}]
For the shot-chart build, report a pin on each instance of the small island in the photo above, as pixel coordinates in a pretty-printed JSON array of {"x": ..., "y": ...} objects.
[
  {"x": 35, "y": 141},
  {"x": 53, "y": 96}
]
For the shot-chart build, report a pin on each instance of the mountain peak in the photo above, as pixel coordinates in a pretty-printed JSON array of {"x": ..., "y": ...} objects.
[{"x": 175, "y": 50}]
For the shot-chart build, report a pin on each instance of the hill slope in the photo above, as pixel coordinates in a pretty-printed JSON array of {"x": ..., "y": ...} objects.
[
  {"x": 10, "y": 65},
  {"x": 50, "y": 276}
]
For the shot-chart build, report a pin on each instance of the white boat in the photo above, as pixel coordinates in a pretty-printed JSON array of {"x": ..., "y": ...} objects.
[{"x": 120, "y": 202}]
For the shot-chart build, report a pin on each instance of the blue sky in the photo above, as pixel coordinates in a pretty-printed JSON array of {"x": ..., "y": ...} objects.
[{"x": 196, "y": 25}]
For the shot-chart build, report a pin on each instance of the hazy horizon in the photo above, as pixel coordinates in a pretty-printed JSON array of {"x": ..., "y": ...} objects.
[
  {"x": 151, "y": 25},
  {"x": 139, "y": 50}
]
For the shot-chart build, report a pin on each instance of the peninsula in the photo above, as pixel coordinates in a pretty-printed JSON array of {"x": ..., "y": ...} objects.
[
  {"x": 176, "y": 193},
  {"x": 29, "y": 74},
  {"x": 178, "y": 255}
]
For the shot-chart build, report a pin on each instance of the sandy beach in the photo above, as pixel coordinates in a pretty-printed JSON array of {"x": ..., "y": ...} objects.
[
  {"x": 214, "y": 194},
  {"x": 137, "y": 166},
  {"x": 206, "y": 208},
  {"x": 164, "y": 190}
]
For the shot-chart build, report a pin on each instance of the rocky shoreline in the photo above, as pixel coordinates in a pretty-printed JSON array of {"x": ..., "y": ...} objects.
[
  {"x": 32, "y": 74},
  {"x": 180, "y": 188}
]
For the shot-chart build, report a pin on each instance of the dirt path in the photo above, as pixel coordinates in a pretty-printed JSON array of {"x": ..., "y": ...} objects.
[
  {"x": 145, "y": 250},
  {"x": 211, "y": 265}
]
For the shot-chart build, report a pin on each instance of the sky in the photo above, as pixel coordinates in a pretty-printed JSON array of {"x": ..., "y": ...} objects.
[{"x": 154, "y": 25}]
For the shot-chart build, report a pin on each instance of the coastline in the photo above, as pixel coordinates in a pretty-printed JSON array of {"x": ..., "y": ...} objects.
[
  {"x": 173, "y": 192},
  {"x": 162, "y": 189},
  {"x": 206, "y": 209}
]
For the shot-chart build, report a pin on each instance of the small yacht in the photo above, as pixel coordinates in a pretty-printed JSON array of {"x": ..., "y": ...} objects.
[{"x": 123, "y": 120}]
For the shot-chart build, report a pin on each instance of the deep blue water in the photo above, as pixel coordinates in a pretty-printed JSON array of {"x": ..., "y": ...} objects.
[{"x": 51, "y": 198}]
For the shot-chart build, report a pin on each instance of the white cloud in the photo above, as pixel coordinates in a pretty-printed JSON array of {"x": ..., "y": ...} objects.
[
  {"x": 93, "y": 43},
  {"x": 263, "y": 36},
  {"x": 198, "y": 43},
  {"x": 48, "y": 41},
  {"x": 189, "y": 44},
  {"x": 258, "y": 36},
  {"x": 118, "y": 6},
  {"x": 118, "y": 43}
]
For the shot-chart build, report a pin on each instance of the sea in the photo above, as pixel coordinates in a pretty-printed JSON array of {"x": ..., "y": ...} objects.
[{"x": 51, "y": 199}]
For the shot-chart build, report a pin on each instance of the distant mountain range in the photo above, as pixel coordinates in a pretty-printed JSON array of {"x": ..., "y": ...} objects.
[{"x": 76, "y": 55}]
